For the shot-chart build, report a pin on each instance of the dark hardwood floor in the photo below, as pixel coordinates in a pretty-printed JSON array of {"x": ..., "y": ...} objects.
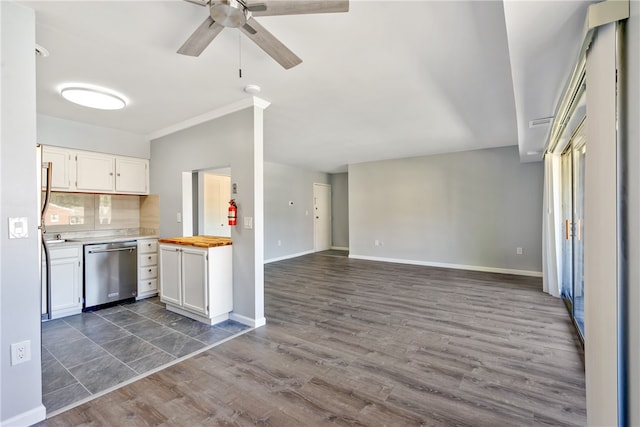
[{"x": 352, "y": 342}]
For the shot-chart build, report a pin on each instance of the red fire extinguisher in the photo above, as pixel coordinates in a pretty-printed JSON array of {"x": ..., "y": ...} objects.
[{"x": 233, "y": 212}]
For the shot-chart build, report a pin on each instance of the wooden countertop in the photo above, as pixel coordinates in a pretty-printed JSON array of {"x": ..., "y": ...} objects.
[{"x": 198, "y": 241}]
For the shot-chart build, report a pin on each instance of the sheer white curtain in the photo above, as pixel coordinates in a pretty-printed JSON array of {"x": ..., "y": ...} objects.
[{"x": 552, "y": 225}]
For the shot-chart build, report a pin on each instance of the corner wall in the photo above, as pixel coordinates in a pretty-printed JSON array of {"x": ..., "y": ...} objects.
[
  {"x": 21, "y": 386},
  {"x": 463, "y": 210},
  {"x": 235, "y": 141},
  {"x": 340, "y": 210},
  {"x": 291, "y": 225}
]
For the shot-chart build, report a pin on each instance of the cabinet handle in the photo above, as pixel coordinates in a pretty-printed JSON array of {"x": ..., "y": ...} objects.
[
  {"x": 149, "y": 270},
  {"x": 118, "y": 174},
  {"x": 110, "y": 173},
  {"x": 149, "y": 257}
]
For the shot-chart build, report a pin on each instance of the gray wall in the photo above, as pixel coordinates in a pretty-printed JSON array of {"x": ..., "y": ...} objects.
[
  {"x": 467, "y": 209},
  {"x": 340, "y": 210},
  {"x": 292, "y": 225},
  {"x": 633, "y": 231},
  {"x": 83, "y": 136},
  {"x": 20, "y": 393},
  {"x": 226, "y": 141}
]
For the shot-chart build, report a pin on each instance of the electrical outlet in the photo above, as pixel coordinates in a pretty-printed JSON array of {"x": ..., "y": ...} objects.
[
  {"x": 279, "y": 242},
  {"x": 20, "y": 352},
  {"x": 518, "y": 251},
  {"x": 179, "y": 217}
]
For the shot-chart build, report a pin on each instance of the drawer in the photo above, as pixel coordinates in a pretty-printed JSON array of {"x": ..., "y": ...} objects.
[
  {"x": 148, "y": 285},
  {"x": 147, "y": 273},
  {"x": 146, "y": 260},
  {"x": 65, "y": 252},
  {"x": 147, "y": 246}
]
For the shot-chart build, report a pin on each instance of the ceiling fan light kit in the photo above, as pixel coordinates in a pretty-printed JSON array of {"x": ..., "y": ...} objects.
[
  {"x": 93, "y": 97},
  {"x": 239, "y": 14}
]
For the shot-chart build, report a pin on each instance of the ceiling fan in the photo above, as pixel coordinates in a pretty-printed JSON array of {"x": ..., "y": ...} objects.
[{"x": 239, "y": 14}]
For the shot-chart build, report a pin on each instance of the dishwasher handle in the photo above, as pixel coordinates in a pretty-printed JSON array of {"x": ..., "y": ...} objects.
[{"x": 110, "y": 250}]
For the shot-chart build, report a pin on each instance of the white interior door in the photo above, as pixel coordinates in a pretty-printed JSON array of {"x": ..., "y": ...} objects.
[
  {"x": 217, "y": 193},
  {"x": 321, "y": 217}
]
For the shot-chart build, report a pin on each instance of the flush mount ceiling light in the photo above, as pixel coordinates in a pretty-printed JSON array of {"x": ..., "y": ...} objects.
[
  {"x": 93, "y": 97},
  {"x": 252, "y": 89}
]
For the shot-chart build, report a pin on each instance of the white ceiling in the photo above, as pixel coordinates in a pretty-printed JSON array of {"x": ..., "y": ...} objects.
[{"x": 388, "y": 79}]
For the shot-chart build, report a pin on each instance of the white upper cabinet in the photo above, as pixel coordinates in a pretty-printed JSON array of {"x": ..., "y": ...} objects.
[
  {"x": 89, "y": 172},
  {"x": 60, "y": 160},
  {"x": 94, "y": 172},
  {"x": 132, "y": 175}
]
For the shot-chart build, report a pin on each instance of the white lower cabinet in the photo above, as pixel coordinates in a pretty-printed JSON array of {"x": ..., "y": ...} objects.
[
  {"x": 147, "y": 268},
  {"x": 66, "y": 281},
  {"x": 197, "y": 282}
]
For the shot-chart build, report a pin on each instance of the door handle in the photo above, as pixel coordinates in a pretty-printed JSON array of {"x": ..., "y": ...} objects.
[
  {"x": 110, "y": 250},
  {"x": 567, "y": 230}
]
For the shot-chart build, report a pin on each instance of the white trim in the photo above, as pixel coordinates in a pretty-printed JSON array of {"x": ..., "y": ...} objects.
[
  {"x": 198, "y": 317},
  {"x": 282, "y": 258},
  {"x": 340, "y": 248},
  {"x": 28, "y": 418},
  {"x": 454, "y": 266},
  {"x": 254, "y": 323},
  {"x": 187, "y": 204},
  {"x": 214, "y": 114}
]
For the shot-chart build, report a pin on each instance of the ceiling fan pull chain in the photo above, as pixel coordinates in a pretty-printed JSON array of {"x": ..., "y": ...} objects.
[{"x": 240, "y": 55}]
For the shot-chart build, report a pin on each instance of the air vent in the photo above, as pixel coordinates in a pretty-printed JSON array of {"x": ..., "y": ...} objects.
[{"x": 540, "y": 122}]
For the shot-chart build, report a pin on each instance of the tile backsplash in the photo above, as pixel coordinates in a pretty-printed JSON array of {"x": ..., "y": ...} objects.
[{"x": 70, "y": 212}]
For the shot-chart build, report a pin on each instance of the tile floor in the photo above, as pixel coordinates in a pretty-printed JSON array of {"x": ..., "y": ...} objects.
[{"x": 91, "y": 352}]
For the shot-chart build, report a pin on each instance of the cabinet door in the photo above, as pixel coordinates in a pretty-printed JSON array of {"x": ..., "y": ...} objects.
[
  {"x": 132, "y": 175},
  {"x": 94, "y": 172},
  {"x": 65, "y": 286},
  {"x": 170, "y": 276},
  {"x": 61, "y": 161},
  {"x": 194, "y": 280}
]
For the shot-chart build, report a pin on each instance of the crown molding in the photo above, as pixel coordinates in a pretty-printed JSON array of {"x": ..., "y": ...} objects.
[{"x": 253, "y": 101}]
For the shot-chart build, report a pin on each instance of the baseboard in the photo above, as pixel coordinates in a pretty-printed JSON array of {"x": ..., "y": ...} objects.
[
  {"x": 453, "y": 266},
  {"x": 340, "y": 248},
  {"x": 254, "y": 323},
  {"x": 282, "y": 258},
  {"x": 28, "y": 418}
]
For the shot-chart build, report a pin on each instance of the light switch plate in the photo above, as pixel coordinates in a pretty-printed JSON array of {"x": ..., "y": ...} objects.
[
  {"x": 18, "y": 228},
  {"x": 248, "y": 222}
]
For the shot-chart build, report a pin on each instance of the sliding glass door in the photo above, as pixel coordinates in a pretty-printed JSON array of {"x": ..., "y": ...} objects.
[
  {"x": 579, "y": 154},
  {"x": 573, "y": 168}
]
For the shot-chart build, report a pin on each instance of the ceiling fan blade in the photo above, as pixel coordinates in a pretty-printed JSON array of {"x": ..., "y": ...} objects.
[
  {"x": 199, "y": 2},
  {"x": 298, "y": 7},
  {"x": 270, "y": 44},
  {"x": 257, "y": 7},
  {"x": 201, "y": 38}
]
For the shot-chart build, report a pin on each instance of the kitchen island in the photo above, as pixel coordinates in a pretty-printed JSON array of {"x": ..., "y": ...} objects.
[{"x": 196, "y": 278}]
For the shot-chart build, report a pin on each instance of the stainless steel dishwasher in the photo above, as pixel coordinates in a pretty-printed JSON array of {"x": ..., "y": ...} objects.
[{"x": 110, "y": 272}]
